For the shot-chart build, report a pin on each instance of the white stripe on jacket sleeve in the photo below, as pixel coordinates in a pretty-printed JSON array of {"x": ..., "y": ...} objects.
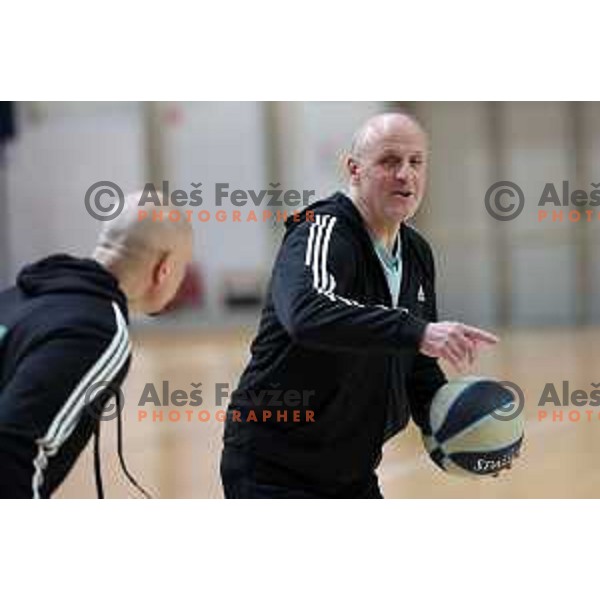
[{"x": 66, "y": 420}]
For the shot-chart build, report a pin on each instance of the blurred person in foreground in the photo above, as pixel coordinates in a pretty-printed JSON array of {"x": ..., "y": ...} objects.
[
  {"x": 64, "y": 344},
  {"x": 348, "y": 345}
]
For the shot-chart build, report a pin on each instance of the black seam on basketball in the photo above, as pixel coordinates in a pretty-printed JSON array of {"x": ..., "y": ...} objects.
[{"x": 469, "y": 408}]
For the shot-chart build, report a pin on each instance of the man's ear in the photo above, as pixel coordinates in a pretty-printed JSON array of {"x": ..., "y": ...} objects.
[
  {"x": 162, "y": 269},
  {"x": 352, "y": 168}
]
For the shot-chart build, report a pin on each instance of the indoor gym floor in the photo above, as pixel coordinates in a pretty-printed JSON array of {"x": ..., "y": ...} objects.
[{"x": 180, "y": 459}]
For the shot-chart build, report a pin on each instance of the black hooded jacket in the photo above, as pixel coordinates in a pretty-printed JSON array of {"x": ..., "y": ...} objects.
[
  {"x": 328, "y": 334},
  {"x": 63, "y": 329}
]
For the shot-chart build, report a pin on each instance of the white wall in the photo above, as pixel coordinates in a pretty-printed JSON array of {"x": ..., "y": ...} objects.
[
  {"x": 63, "y": 148},
  {"x": 314, "y": 137},
  {"x": 542, "y": 254},
  {"x": 452, "y": 215},
  {"x": 51, "y": 164},
  {"x": 591, "y": 231},
  {"x": 534, "y": 143},
  {"x": 221, "y": 142}
]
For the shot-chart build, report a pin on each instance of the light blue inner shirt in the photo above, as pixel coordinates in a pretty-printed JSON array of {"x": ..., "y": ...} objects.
[{"x": 392, "y": 266}]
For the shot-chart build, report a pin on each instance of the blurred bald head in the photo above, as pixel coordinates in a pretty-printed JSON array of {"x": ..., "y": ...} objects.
[
  {"x": 387, "y": 169},
  {"x": 148, "y": 257}
]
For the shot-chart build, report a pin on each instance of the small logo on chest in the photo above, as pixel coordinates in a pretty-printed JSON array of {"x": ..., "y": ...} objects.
[{"x": 421, "y": 294}]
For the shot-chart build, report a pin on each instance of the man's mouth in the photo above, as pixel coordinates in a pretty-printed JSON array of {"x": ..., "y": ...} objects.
[{"x": 403, "y": 193}]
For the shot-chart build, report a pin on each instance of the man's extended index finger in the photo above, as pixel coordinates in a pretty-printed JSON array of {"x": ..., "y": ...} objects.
[{"x": 480, "y": 335}]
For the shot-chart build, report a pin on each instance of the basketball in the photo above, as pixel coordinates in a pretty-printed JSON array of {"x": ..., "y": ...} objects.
[{"x": 476, "y": 427}]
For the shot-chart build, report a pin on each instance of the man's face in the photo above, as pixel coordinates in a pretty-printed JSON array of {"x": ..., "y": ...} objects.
[{"x": 390, "y": 171}]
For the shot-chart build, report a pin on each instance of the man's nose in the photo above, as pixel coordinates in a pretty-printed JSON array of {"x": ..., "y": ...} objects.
[{"x": 402, "y": 170}]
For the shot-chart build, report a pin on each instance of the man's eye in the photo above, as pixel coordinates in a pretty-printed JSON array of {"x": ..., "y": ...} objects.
[{"x": 416, "y": 161}]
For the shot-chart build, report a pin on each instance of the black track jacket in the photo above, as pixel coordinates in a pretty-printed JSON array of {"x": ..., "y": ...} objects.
[
  {"x": 328, "y": 335},
  {"x": 63, "y": 338}
]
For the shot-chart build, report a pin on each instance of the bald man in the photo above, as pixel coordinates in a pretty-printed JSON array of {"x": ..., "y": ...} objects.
[
  {"x": 63, "y": 329},
  {"x": 349, "y": 328}
]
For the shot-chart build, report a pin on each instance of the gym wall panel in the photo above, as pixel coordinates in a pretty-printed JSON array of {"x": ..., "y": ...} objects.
[
  {"x": 543, "y": 284},
  {"x": 453, "y": 216},
  {"x": 589, "y": 233},
  {"x": 465, "y": 289},
  {"x": 535, "y": 146},
  {"x": 56, "y": 157},
  {"x": 314, "y": 137},
  {"x": 221, "y": 142},
  {"x": 535, "y": 149}
]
